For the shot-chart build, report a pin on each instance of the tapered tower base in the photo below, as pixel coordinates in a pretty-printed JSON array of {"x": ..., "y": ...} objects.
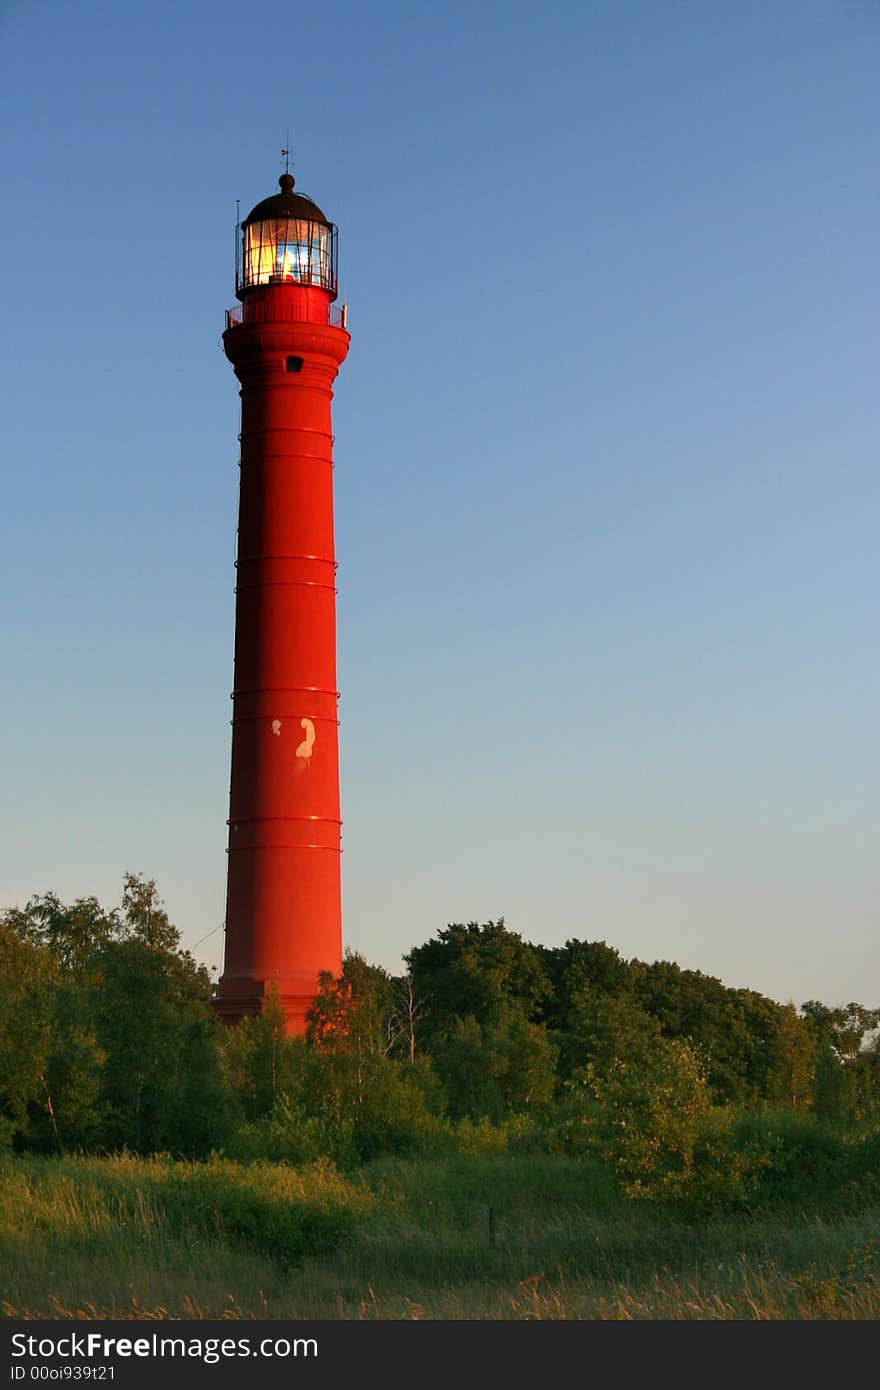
[{"x": 237, "y": 999}]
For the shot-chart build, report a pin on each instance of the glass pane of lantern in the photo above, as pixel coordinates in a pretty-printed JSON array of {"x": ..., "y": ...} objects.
[
  {"x": 291, "y": 250},
  {"x": 259, "y": 254}
]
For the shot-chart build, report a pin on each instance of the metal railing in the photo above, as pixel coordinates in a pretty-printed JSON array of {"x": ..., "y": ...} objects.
[{"x": 334, "y": 314}]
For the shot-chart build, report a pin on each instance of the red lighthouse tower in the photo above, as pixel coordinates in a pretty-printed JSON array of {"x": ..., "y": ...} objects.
[{"x": 286, "y": 342}]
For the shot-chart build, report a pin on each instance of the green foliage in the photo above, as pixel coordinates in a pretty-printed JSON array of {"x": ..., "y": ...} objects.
[
  {"x": 352, "y": 1014},
  {"x": 646, "y": 1119},
  {"x": 481, "y": 1235},
  {"x": 581, "y": 966},
  {"x": 71, "y": 934},
  {"x": 601, "y": 1028},
  {"x": 490, "y": 1069},
  {"x": 119, "y": 1046},
  {"x": 479, "y": 1137},
  {"x": 481, "y": 989},
  {"x": 143, "y": 917},
  {"x": 488, "y": 1046},
  {"x": 369, "y": 1100},
  {"x": 476, "y": 971},
  {"x": 276, "y": 1210},
  {"x": 791, "y": 1157},
  {"x": 793, "y": 1066},
  {"x": 847, "y": 1030},
  {"x": 152, "y": 1024},
  {"x": 372, "y": 1104},
  {"x": 734, "y": 1029},
  {"x": 257, "y": 1059},
  {"x": 287, "y": 1135},
  {"x": 846, "y": 1076},
  {"x": 72, "y": 1110},
  {"x": 365, "y": 1011},
  {"x": 50, "y": 1061},
  {"x": 27, "y": 998}
]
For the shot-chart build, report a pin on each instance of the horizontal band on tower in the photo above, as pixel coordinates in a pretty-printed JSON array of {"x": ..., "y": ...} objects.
[
  {"x": 287, "y": 429},
  {"x": 243, "y": 849},
  {"x": 252, "y": 559},
  {"x": 288, "y": 454},
  {"x": 251, "y": 820},
  {"x": 286, "y": 584},
  {"x": 279, "y": 689}
]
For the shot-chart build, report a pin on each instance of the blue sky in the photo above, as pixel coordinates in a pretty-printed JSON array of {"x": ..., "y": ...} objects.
[{"x": 606, "y": 463}]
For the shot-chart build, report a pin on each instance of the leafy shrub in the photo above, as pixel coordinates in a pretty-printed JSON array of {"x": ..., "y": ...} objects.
[
  {"x": 864, "y": 1167},
  {"x": 792, "y": 1157},
  {"x": 274, "y": 1210},
  {"x": 645, "y": 1119},
  {"x": 479, "y": 1137},
  {"x": 288, "y": 1135},
  {"x": 270, "y": 1209}
]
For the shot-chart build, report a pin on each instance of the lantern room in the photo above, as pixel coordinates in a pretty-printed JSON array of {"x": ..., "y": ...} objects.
[{"x": 286, "y": 240}]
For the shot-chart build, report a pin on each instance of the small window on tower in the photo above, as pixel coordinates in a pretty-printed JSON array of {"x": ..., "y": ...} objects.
[{"x": 294, "y": 364}]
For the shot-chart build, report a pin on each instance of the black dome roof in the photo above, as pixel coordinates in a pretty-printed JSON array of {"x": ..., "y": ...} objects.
[{"x": 287, "y": 204}]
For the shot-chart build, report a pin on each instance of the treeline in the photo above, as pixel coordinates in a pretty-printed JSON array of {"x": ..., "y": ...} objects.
[{"x": 107, "y": 1041}]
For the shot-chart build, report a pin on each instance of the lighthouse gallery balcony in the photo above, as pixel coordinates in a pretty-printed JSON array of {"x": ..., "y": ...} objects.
[{"x": 278, "y": 310}]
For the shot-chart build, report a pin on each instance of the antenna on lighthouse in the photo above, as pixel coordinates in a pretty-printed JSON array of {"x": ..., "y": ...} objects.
[{"x": 237, "y": 238}]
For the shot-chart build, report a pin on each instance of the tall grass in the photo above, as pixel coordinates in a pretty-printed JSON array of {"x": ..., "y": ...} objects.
[
  {"x": 85, "y": 1222},
  {"x": 479, "y": 1236}
]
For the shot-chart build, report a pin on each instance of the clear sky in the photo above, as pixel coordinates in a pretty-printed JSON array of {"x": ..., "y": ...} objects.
[{"x": 606, "y": 462}]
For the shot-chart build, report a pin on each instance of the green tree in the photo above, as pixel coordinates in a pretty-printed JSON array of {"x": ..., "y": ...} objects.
[
  {"x": 845, "y": 1039},
  {"x": 362, "y": 1094},
  {"x": 647, "y": 1119},
  {"x": 793, "y": 1061},
  {"x": 143, "y": 915},
  {"x": 369, "y": 1104},
  {"x": 256, "y": 1058},
  {"x": 734, "y": 1029},
  {"x": 71, "y": 933},
  {"x": 27, "y": 1001},
  {"x": 505, "y": 1064},
  {"x": 161, "y": 1085},
  {"x": 352, "y": 1014},
  {"x": 479, "y": 971},
  {"x": 603, "y": 1029},
  {"x": 72, "y": 1115},
  {"x": 581, "y": 965}
]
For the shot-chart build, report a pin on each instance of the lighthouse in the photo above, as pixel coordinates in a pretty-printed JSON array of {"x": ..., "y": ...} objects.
[{"x": 286, "y": 340}]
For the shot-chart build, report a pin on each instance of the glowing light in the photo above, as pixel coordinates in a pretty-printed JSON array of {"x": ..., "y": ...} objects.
[{"x": 287, "y": 249}]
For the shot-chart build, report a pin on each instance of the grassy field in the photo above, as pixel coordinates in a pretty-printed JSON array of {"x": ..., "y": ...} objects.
[{"x": 466, "y": 1237}]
